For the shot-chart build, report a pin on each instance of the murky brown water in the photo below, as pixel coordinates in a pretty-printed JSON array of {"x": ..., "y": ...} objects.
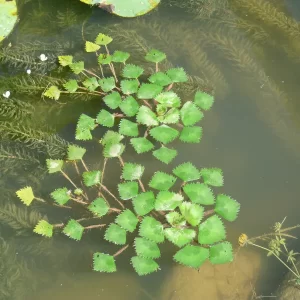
[{"x": 252, "y": 133}]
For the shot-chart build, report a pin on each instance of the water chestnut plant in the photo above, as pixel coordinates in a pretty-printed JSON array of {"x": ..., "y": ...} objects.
[{"x": 143, "y": 114}]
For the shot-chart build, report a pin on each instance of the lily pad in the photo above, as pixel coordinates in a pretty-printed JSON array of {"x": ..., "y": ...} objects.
[
  {"x": 125, "y": 8},
  {"x": 8, "y": 17}
]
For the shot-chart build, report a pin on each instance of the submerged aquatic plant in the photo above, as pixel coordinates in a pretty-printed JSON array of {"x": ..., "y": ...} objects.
[
  {"x": 276, "y": 246},
  {"x": 143, "y": 114}
]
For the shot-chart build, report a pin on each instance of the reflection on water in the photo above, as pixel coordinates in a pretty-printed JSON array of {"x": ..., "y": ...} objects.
[{"x": 252, "y": 133}]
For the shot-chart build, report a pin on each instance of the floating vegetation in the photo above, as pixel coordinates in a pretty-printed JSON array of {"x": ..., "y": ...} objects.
[{"x": 150, "y": 116}]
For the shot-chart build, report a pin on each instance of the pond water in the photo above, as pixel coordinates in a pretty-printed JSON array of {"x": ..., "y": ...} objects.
[{"x": 252, "y": 133}]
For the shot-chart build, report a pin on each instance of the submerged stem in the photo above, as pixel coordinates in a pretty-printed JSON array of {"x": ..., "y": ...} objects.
[
  {"x": 95, "y": 226},
  {"x": 121, "y": 250}
]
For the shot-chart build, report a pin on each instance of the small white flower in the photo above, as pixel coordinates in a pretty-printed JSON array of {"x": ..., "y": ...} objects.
[
  {"x": 69, "y": 192},
  {"x": 43, "y": 57},
  {"x": 28, "y": 72},
  {"x": 6, "y": 94}
]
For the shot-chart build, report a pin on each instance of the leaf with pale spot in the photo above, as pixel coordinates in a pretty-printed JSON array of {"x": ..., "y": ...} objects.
[
  {"x": 179, "y": 236},
  {"x": 193, "y": 213},
  {"x": 190, "y": 114},
  {"x": 128, "y": 190},
  {"x": 61, "y": 196},
  {"x": 113, "y": 150},
  {"x": 168, "y": 99},
  {"x": 129, "y": 87},
  {"x": 212, "y": 176},
  {"x": 166, "y": 200},
  {"x": 91, "y": 83},
  {"x": 91, "y": 178},
  {"x": 227, "y": 207},
  {"x": 146, "y": 116},
  {"x": 199, "y": 193},
  {"x": 132, "y": 171},
  {"x": 164, "y": 134},
  {"x": 54, "y": 165},
  {"x": 221, "y": 253},
  {"x": 203, "y": 100},
  {"x": 149, "y": 91}
]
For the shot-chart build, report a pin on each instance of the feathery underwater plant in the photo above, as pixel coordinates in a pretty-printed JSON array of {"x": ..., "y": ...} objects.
[{"x": 145, "y": 115}]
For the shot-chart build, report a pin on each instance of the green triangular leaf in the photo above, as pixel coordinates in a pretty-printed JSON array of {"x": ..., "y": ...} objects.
[
  {"x": 166, "y": 200},
  {"x": 152, "y": 229},
  {"x": 203, "y": 100},
  {"x": 104, "y": 263},
  {"x": 165, "y": 154},
  {"x": 177, "y": 75},
  {"x": 175, "y": 219},
  {"x": 193, "y": 213},
  {"x": 146, "y": 248},
  {"x": 91, "y": 178},
  {"x": 171, "y": 117},
  {"x": 91, "y": 83},
  {"x": 190, "y": 114},
  {"x": 129, "y": 106},
  {"x": 132, "y": 71},
  {"x": 128, "y": 190},
  {"x": 191, "y": 134},
  {"x": 113, "y": 100},
  {"x": 144, "y": 266},
  {"x": 111, "y": 137},
  {"x": 44, "y": 228},
  {"x": 99, "y": 207},
  {"x": 212, "y": 176},
  {"x": 187, "y": 172},
  {"x": 146, "y": 116},
  {"x": 115, "y": 234},
  {"x": 149, "y": 91},
  {"x": 164, "y": 134},
  {"x": 103, "y": 39},
  {"x": 160, "y": 78},
  {"x": 132, "y": 171},
  {"x": 61, "y": 196},
  {"x": 221, "y": 253},
  {"x": 113, "y": 150},
  {"x": 83, "y": 135},
  {"x": 120, "y": 56},
  {"x": 71, "y": 86},
  {"x": 52, "y": 92},
  {"x": 144, "y": 203},
  {"x": 128, "y": 128},
  {"x": 141, "y": 145},
  {"x": 129, "y": 87},
  {"x": 199, "y": 193},
  {"x": 54, "y": 165},
  {"x": 192, "y": 256},
  {"x": 211, "y": 231},
  {"x": 85, "y": 123},
  {"x": 105, "y": 118},
  {"x": 75, "y": 152},
  {"x": 162, "y": 181},
  {"x": 168, "y": 99},
  {"x": 26, "y": 195},
  {"x": 73, "y": 230},
  {"x": 127, "y": 220},
  {"x": 65, "y": 60},
  {"x": 77, "y": 67},
  {"x": 104, "y": 59},
  {"x": 227, "y": 207},
  {"x": 107, "y": 84},
  {"x": 91, "y": 47},
  {"x": 155, "y": 56},
  {"x": 179, "y": 236}
]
